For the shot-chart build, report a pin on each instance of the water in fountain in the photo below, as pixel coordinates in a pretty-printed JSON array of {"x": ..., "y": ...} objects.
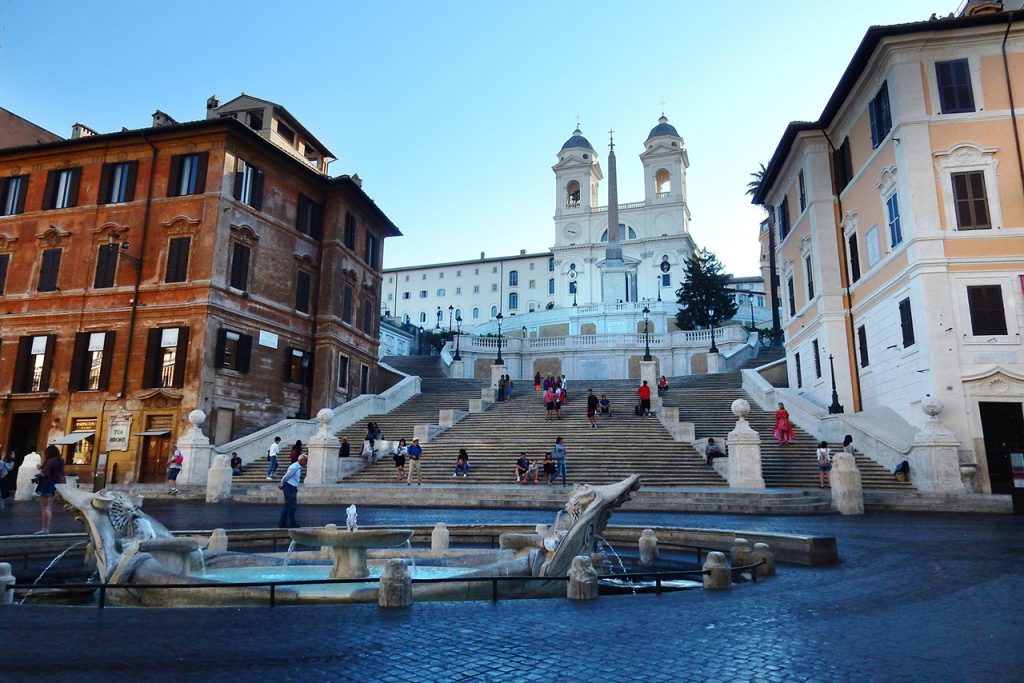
[
  {"x": 50, "y": 566},
  {"x": 603, "y": 543},
  {"x": 144, "y": 528},
  {"x": 202, "y": 561},
  {"x": 412, "y": 558},
  {"x": 288, "y": 553}
]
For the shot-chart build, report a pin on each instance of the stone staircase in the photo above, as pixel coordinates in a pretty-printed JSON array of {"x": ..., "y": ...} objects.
[{"x": 418, "y": 366}]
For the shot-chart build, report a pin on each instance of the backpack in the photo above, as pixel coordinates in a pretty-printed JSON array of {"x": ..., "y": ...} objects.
[{"x": 822, "y": 456}]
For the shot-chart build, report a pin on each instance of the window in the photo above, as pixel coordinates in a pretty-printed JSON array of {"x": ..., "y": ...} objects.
[
  {"x": 424, "y": 276},
  {"x": 248, "y": 187},
  {"x": 367, "y": 318},
  {"x": 953, "y": 79},
  {"x": 551, "y": 286},
  {"x": 342, "y": 371},
  {"x": 892, "y": 207},
  {"x": 783, "y": 218},
  {"x": 666, "y": 280},
  {"x": 406, "y": 278},
  {"x": 302, "y": 280},
  {"x": 240, "y": 254},
  {"x": 551, "y": 265},
  {"x": 970, "y": 200},
  {"x": 907, "y": 323},
  {"x": 842, "y": 166},
  {"x": 233, "y": 351},
  {"x": 513, "y": 301},
  {"x": 285, "y": 132},
  {"x": 117, "y": 182},
  {"x": 106, "y": 266},
  {"x": 532, "y": 284},
  {"x": 817, "y": 358},
  {"x": 532, "y": 265},
  {"x": 296, "y": 366},
  {"x": 33, "y": 364},
  {"x": 440, "y": 276},
  {"x": 987, "y": 314},
  {"x": 494, "y": 311},
  {"x": 81, "y": 453},
  {"x": 879, "y": 115},
  {"x": 187, "y": 175},
  {"x": 12, "y": 195},
  {"x": 476, "y": 313},
  {"x": 799, "y": 372},
  {"x": 513, "y": 278},
  {"x": 458, "y": 290},
  {"x": 792, "y": 297},
  {"x": 166, "y": 351},
  {"x": 406, "y": 295},
  {"x": 423, "y": 317},
  {"x": 874, "y": 248},
  {"x": 803, "y": 190},
  {"x": 62, "y": 188},
  {"x": 494, "y": 287},
  {"x": 476, "y": 271},
  {"x": 309, "y": 218},
  {"x": 440, "y": 291},
  {"x": 476, "y": 289},
  {"x": 350, "y": 232},
  {"x": 346, "y": 304},
  {"x": 177, "y": 259},
  {"x": 862, "y": 344},
  {"x": 49, "y": 270},
  {"x": 364, "y": 379},
  {"x": 458, "y": 273},
  {"x": 854, "y": 259},
  {"x": 494, "y": 270},
  {"x": 572, "y": 287},
  {"x": 370, "y": 256},
  {"x": 5, "y": 261},
  {"x": 810, "y": 277},
  {"x": 423, "y": 294}
]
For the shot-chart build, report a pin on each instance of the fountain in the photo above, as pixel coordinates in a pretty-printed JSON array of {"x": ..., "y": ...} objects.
[{"x": 349, "y": 547}]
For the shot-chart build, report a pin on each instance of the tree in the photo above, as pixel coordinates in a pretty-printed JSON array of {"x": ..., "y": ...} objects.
[
  {"x": 755, "y": 182},
  {"x": 704, "y": 297}
]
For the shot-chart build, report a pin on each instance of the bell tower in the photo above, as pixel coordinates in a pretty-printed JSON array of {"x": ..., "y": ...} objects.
[
  {"x": 665, "y": 162},
  {"x": 577, "y": 179}
]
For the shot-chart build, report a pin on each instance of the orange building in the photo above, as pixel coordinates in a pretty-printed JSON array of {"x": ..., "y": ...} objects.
[{"x": 210, "y": 264}]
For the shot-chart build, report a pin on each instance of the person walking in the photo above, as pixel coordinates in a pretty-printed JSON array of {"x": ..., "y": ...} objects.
[
  {"x": 662, "y": 386},
  {"x": 592, "y": 404},
  {"x": 345, "y": 451},
  {"x": 401, "y": 453},
  {"x": 783, "y": 427},
  {"x": 824, "y": 457},
  {"x": 500, "y": 389},
  {"x": 549, "y": 402},
  {"x": 558, "y": 453},
  {"x": 848, "y": 444},
  {"x": 415, "y": 453},
  {"x": 275, "y": 450},
  {"x": 536, "y": 381},
  {"x": 508, "y": 387},
  {"x": 290, "y": 483},
  {"x": 296, "y": 451},
  {"x": 559, "y": 400},
  {"x": 51, "y": 473},
  {"x": 174, "y": 463},
  {"x": 461, "y": 463},
  {"x": 6, "y": 466},
  {"x": 644, "y": 392}
]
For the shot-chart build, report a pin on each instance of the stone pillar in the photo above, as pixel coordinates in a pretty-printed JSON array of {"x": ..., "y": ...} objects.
[
  {"x": 648, "y": 544},
  {"x": 847, "y": 490},
  {"x": 762, "y": 552},
  {"x": 218, "y": 480},
  {"x": 395, "y": 588},
  {"x": 715, "y": 363},
  {"x": 322, "y": 465},
  {"x": 6, "y": 579},
  {"x": 496, "y": 372},
  {"x": 934, "y": 463},
  {"x": 196, "y": 451},
  {"x": 649, "y": 372},
  {"x": 744, "y": 451},
  {"x": 718, "y": 577},
  {"x": 439, "y": 539},
  {"x": 218, "y": 541},
  {"x": 582, "y": 579},
  {"x": 449, "y": 417},
  {"x": 457, "y": 370},
  {"x": 740, "y": 553},
  {"x": 29, "y": 469}
]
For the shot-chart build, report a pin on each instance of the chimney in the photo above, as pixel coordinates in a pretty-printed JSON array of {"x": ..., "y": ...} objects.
[
  {"x": 80, "y": 130},
  {"x": 481, "y": 256},
  {"x": 357, "y": 180},
  {"x": 161, "y": 119},
  {"x": 212, "y": 102},
  {"x": 522, "y": 252}
]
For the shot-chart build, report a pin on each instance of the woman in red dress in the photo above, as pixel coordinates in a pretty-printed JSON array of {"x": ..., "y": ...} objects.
[{"x": 783, "y": 427}]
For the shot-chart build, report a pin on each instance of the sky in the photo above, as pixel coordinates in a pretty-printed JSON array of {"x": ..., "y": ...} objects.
[{"x": 453, "y": 112}]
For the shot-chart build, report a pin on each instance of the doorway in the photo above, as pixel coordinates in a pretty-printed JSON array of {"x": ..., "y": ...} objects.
[
  {"x": 22, "y": 439},
  {"x": 155, "y": 454},
  {"x": 1002, "y": 426}
]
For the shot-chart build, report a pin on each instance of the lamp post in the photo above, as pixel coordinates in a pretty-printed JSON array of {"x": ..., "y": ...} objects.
[
  {"x": 647, "y": 342},
  {"x": 419, "y": 340},
  {"x": 498, "y": 360},
  {"x": 450, "y": 310},
  {"x": 713, "y": 349},
  {"x": 524, "y": 331},
  {"x": 750, "y": 300},
  {"x": 573, "y": 287},
  {"x": 439, "y": 315},
  {"x": 657, "y": 285},
  {"x": 835, "y": 408},
  {"x": 458, "y": 336}
]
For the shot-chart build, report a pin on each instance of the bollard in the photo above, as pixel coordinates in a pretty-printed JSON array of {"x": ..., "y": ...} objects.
[
  {"x": 218, "y": 541},
  {"x": 648, "y": 547},
  {"x": 740, "y": 553},
  {"x": 719, "y": 576},
  {"x": 6, "y": 580},
  {"x": 395, "y": 589},
  {"x": 439, "y": 539},
  {"x": 582, "y": 579},
  {"x": 762, "y": 551}
]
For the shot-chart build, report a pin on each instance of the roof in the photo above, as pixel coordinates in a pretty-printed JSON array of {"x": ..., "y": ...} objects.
[
  {"x": 472, "y": 262},
  {"x": 663, "y": 128},
  {"x": 577, "y": 140},
  {"x": 861, "y": 57},
  {"x": 289, "y": 119}
]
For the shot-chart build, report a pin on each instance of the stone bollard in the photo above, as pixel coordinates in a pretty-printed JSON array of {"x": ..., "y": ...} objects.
[
  {"x": 218, "y": 541},
  {"x": 847, "y": 488},
  {"x": 439, "y": 539},
  {"x": 582, "y": 579},
  {"x": 762, "y": 551},
  {"x": 218, "y": 480},
  {"x": 744, "y": 451},
  {"x": 740, "y": 553},
  {"x": 648, "y": 547},
  {"x": 719, "y": 576},
  {"x": 395, "y": 585},
  {"x": 6, "y": 579}
]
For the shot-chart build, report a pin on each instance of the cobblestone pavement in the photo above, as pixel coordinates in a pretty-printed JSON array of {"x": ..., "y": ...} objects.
[{"x": 916, "y": 598}]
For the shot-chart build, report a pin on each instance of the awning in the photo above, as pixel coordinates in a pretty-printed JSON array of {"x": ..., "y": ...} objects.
[
  {"x": 154, "y": 432},
  {"x": 72, "y": 438}
]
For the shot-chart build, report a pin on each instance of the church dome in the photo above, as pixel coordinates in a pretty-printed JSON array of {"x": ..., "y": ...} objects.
[
  {"x": 577, "y": 140},
  {"x": 663, "y": 128}
]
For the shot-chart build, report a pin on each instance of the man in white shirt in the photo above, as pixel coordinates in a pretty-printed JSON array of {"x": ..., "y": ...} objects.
[
  {"x": 290, "y": 483},
  {"x": 275, "y": 450}
]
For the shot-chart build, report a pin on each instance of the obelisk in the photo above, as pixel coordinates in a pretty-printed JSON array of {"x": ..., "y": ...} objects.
[{"x": 613, "y": 270}]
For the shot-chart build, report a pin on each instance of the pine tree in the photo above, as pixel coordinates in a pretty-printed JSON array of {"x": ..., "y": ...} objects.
[{"x": 704, "y": 297}]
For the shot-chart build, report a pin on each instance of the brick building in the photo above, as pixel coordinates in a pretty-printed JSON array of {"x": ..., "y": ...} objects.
[{"x": 211, "y": 264}]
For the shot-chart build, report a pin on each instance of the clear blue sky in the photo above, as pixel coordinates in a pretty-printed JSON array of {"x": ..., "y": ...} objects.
[{"x": 453, "y": 112}]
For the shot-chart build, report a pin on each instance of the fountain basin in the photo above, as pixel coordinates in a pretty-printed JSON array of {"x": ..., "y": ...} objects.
[{"x": 349, "y": 547}]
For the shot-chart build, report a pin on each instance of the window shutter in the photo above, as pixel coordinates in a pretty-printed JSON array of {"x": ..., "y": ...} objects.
[
  {"x": 179, "y": 358},
  {"x": 5, "y": 260},
  {"x": 202, "y": 159},
  {"x": 862, "y": 342},
  {"x": 21, "y": 368},
  {"x": 78, "y": 361},
  {"x": 317, "y": 229},
  {"x": 240, "y": 266},
  {"x": 106, "y": 267},
  {"x": 979, "y": 202},
  {"x": 51, "y": 189},
  {"x": 302, "y": 291},
  {"x": 76, "y": 177},
  {"x": 104, "y": 194},
  {"x": 50, "y": 270},
  {"x": 244, "y": 352},
  {"x": 236, "y": 189},
  {"x": 906, "y": 323},
  {"x": 51, "y": 343},
  {"x": 218, "y": 354},
  {"x": 108, "y": 358},
  {"x": 310, "y": 370},
  {"x": 854, "y": 259},
  {"x": 22, "y": 192},
  {"x": 174, "y": 177},
  {"x": 129, "y": 183},
  {"x": 257, "y": 190},
  {"x": 150, "y": 374},
  {"x": 177, "y": 259},
  {"x": 302, "y": 210}
]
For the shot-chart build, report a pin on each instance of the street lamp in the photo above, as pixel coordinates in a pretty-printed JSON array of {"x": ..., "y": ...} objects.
[
  {"x": 750, "y": 300},
  {"x": 835, "y": 408},
  {"x": 458, "y": 336},
  {"x": 450, "y": 309},
  {"x": 573, "y": 287},
  {"x": 439, "y": 315},
  {"x": 647, "y": 343},
  {"x": 524, "y": 331},
  {"x": 419, "y": 340},
  {"x": 498, "y": 360},
  {"x": 657, "y": 286},
  {"x": 713, "y": 349}
]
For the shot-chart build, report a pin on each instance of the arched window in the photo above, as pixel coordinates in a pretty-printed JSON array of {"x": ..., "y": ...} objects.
[
  {"x": 423, "y": 317},
  {"x": 513, "y": 278},
  {"x": 662, "y": 182},
  {"x": 533, "y": 307},
  {"x": 407, "y": 319},
  {"x": 551, "y": 286},
  {"x": 551, "y": 265},
  {"x": 476, "y": 313},
  {"x": 626, "y": 232},
  {"x": 513, "y": 301},
  {"x": 458, "y": 312},
  {"x": 494, "y": 311},
  {"x": 572, "y": 194}
]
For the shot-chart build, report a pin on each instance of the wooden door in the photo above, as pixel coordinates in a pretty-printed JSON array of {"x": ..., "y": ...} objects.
[{"x": 155, "y": 454}]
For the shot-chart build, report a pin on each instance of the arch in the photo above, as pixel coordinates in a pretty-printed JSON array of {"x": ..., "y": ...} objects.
[
  {"x": 572, "y": 194},
  {"x": 476, "y": 312},
  {"x": 627, "y": 231},
  {"x": 513, "y": 278},
  {"x": 494, "y": 311},
  {"x": 551, "y": 264},
  {"x": 407, "y": 319},
  {"x": 458, "y": 313},
  {"x": 423, "y": 317},
  {"x": 551, "y": 304},
  {"x": 513, "y": 301},
  {"x": 662, "y": 182}
]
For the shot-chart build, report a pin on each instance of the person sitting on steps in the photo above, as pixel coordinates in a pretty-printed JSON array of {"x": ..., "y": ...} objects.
[{"x": 712, "y": 451}]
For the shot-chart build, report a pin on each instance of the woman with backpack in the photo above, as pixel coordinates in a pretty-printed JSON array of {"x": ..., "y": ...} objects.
[{"x": 824, "y": 464}]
